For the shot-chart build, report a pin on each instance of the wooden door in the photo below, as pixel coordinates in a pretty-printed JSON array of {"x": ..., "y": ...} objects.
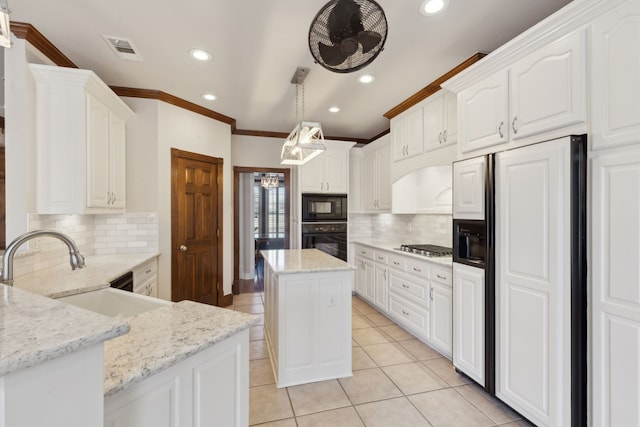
[{"x": 196, "y": 223}]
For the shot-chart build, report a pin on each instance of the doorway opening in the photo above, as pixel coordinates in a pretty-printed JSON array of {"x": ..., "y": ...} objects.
[{"x": 261, "y": 212}]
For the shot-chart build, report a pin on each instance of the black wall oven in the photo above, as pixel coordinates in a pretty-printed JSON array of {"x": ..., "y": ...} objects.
[
  {"x": 324, "y": 207},
  {"x": 330, "y": 238}
]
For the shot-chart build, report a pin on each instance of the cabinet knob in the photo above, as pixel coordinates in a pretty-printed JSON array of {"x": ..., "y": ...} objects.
[
  {"x": 500, "y": 126},
  {"x": 513, "y": 124},
  {"x": 183, "y": 248}
]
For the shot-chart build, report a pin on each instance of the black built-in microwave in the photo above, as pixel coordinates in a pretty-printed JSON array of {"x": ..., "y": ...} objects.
[
  {"x": 324, "y": 207},
  {"x": 470, "y": 242}
]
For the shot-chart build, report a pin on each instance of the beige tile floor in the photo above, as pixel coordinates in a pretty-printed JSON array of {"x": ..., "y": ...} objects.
[{"x": 397, "y": 381}]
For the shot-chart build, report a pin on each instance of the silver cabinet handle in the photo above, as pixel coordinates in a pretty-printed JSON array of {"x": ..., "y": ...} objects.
[
  {"x": 396, "y": 263},
  {"x": 440, "y": 277},
  {"x": 440, "y": 137},
  {"x": 405, "y": 313},
  {"x": 384, "y": 274},
  {"x": 431, "y": 293},
  {"x": 405, "y": 286},
  {"x": 381, "y": 258},
  {"x": 444, "y": 135},
  {"x": 513, "y": 124},
  {"x": 183, "y": 248},
  {"x": 327, "y": 185},
  {"x": 500, "y": 126},
  {"x": 148, "y": 271},
  {"x": 417, "y": 269},
  {"x": 321, "y": 186},
  {"x": 363, "y": 252}
]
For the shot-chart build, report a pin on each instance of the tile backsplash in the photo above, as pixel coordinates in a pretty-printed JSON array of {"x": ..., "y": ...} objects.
[
  {"x": 93, "y": 234},
  {"x": 403, "y": 229}
]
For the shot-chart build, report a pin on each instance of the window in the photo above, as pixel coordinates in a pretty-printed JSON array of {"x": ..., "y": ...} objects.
[{"x": 269, "y": 209}]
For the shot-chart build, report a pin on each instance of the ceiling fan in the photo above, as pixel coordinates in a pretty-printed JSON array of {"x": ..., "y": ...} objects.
[{"x": 347, "y": 35}]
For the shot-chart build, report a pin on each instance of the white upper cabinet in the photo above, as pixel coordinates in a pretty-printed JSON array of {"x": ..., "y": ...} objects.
[
  {"x": 615, "y": 41},
  {"x": 80, "y": 142},
  {"x": 483, "y": 115},
  {"x": 407, "y": 134},
  {"x": 440, "y": 120},
  {"x": 469, "y": 188},
  {"x": 329, "y": 172},
  {"x": 540, "y": 93},
  {"x": 548, "y": 88},
  {"x": 355, "y": 180},
  {"x": 376, "y": 182}
]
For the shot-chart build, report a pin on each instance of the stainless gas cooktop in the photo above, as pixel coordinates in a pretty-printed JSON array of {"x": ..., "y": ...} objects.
[{"x": 426, "y": 250}]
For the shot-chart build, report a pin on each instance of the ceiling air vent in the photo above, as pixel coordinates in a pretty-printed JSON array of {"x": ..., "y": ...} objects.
[{"x": 123, "y": 48}]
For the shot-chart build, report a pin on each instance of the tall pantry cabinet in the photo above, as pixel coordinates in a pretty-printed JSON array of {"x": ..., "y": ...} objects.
[{"x": 615, "y": 210}]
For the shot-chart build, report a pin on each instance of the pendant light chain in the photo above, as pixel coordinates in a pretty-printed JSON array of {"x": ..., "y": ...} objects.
[{"x": 298, "y": 118}]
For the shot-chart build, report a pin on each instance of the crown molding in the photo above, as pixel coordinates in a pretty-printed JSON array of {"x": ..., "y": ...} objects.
[
  {"x": 29, "y": 33},
  {"x": 283, "y": 135},
  {"x": 432, "y": 87},
  {"x": 173, "y": 100}
]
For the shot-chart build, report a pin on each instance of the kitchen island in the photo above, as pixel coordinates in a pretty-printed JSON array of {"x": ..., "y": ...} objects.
[{"x": 307, "y": 304}]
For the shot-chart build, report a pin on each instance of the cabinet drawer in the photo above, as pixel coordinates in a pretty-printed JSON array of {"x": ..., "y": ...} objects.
[
  {"x": 398, "y": 261},
  {"x": 365, "y": 252},
  {"x": 441, "y": 275},
  {"x": 381, "y": 257},
  {"x": 409, "y": 314},
  {"x": 408, "y": 287},
  {"x": 145, "y": 271},
  {"x": 418, "y": 268}
]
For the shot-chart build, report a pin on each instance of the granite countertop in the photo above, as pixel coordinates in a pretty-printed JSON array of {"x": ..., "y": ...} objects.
[
  {"x": 61, "y": 280},
  {"x": 290, "y": 261},
  {"x": 391, "y": 247},
  {"x": 34, "y": 329},
  {"x": 165, "y": 336}
]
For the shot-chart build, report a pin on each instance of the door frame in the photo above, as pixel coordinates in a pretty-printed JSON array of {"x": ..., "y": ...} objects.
[
  {"x": 237, "y": 170},
  {"x": 175, "y": 154}
]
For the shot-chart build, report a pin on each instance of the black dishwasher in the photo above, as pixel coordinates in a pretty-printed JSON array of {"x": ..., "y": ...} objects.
[{"x": 124, "y": 282}]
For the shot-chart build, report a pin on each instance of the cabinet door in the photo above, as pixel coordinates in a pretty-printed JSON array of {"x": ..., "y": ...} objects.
[
  {"x": 615, "y": 41},
  {"x": 383, "y": 177},
  {"x": 468, "y": 321},
  {"x": 312, "y": 175},
  {"x": 398, "y": 137},
  {"x": 548, "y": 88},
  {"x": 533, "y": 281},
  {"x": 469, "y": 188},
  {"x": 441, "y": 317},
  {"x": 369, "y": 280},
  {"x": 98, "y": 154},
  {"x": 616, "y": 287},
  {"x": 433, "y": 113},
  {"x": 381, "y": 286},
  {"x": 117, "y": 162},
  {"x": 483, "y": 114},
  {"x": 336, "y": 175},
  {"x": 450, "y": 118},
  {"x": 360, "y": 274},
  {"x": 370, "y": 181},
  {"x": 415, "y": 133}
]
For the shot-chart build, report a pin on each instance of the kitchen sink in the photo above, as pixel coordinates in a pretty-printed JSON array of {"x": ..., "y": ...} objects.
[{"x": 114, "y": 302}]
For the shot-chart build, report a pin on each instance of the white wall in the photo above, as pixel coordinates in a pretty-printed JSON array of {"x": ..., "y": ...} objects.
[{"x": 256, "y": 151}]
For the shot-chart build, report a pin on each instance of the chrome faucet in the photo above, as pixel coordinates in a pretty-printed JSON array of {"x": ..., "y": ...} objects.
[{"x": 77, "y": 260}]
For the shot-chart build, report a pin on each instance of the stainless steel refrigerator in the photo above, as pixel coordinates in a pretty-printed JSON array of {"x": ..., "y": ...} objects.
[{"x": 519, "y": 277}]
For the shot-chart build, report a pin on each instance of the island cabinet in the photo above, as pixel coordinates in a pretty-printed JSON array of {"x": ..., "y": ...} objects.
[
  {"x": 207, "y": 389},
  {"x": 80, "y": 142},
  {"x": 307, "y": 304}
]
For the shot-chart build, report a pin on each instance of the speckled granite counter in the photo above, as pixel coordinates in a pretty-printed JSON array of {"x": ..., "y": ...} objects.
[
  {"x": 34, "y": 329},
  {"x": 163, "y": 337},
  {"x": 59, "y": 281},
  {"x": 291, "y": 261},
  {"x": 390, "y": 247}
]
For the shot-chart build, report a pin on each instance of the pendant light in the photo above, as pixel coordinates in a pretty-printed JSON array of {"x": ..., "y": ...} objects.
[
  {"x": 306, "y": 140},
  {"x": 269, "y": 181}
]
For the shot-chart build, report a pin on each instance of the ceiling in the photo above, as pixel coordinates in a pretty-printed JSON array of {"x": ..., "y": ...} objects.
[{"x": 257, "y": 45}]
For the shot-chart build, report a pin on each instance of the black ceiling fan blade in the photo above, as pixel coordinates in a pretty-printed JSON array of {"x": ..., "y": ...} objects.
[
  {"x": 344, "y": 21},
  {"x": 331, "y": 55},
  {"x": 369, "y": 40}
]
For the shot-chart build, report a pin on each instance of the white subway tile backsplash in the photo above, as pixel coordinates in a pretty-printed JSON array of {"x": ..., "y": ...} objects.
[
  {"x": 94, "y": 234},
  {"x": 419, "y": 228}
]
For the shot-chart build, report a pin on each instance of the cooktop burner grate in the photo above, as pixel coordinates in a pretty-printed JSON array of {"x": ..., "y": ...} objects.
[{"x": 427, "y": 250}]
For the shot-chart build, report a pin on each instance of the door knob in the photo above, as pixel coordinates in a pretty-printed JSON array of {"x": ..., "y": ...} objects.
[{"x": 183, "y": 248}]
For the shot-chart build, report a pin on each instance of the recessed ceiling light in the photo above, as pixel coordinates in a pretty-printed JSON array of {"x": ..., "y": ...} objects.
[
  {"x": 209, "y": 96},
  {"x": 366, "y": 78},
  {"x": 433, "y": 7},
  {"x": 200, "y": 55},
  {"x": 334, "y": 109}
]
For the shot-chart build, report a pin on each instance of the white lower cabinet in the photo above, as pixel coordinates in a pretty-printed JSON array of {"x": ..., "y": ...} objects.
[
  {"x": 468, "y": 321},
  {"x": 381, "y": 275},
  {"x": 145, "y": 278},
  {"x": 365, "y": 279},
  {"x": 615, "y": 291},
  {"x": 441, "y": 336},
  {"x": 207, "y": 389}
]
